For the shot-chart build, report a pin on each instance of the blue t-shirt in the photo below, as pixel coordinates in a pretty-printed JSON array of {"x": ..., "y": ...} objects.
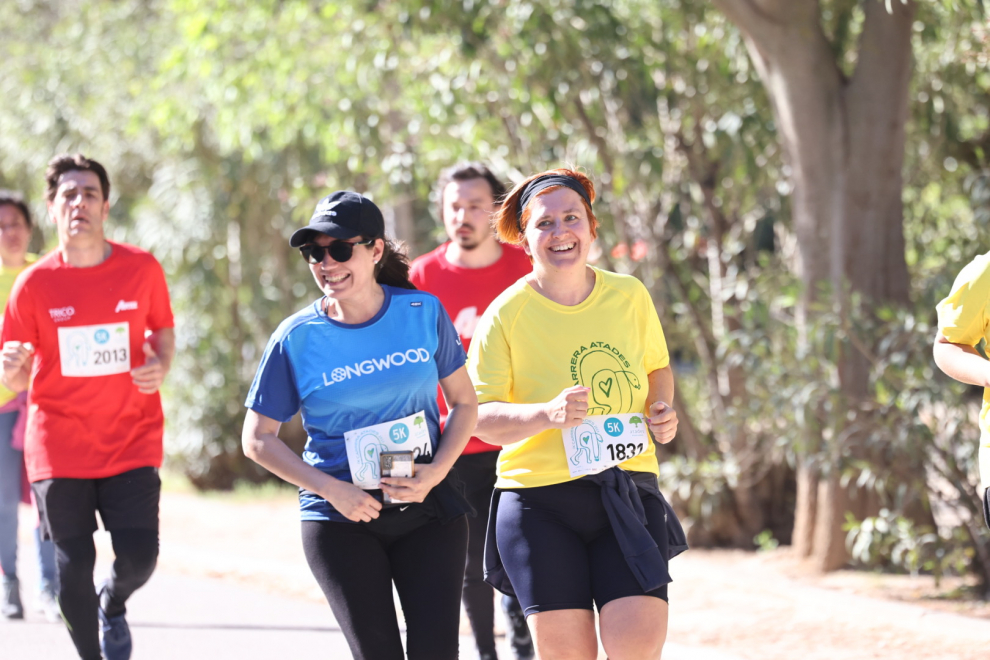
[{"x": 346, "y": 377}]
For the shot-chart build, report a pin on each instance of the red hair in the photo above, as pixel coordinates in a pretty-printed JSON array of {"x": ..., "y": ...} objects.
[{"x": 511, "y": 230}]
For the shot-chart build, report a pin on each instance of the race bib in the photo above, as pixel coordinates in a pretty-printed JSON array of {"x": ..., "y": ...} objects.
[
  {"x": 364, "y": 446},
  {"x": 95, "y": 350},
  {"x": 603, "y": 441}
]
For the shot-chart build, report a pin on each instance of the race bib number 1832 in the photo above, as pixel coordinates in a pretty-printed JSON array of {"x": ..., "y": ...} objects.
[
  {"x": 603, "y": 441},
  {"x": 95, "y": 350}
]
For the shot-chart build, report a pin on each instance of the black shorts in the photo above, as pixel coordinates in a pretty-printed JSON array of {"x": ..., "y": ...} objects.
[
  {"x": 67, "y": 507},
  {"x": 986, "y": 506},
  {"x": 558, "y": 549}
]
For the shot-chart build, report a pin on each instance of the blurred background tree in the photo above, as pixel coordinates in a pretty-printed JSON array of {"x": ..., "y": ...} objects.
[{"x": 797, "y": 182}]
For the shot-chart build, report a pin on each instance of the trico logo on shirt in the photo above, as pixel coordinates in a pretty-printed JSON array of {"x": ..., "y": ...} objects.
[
  {"x": 125, "y": 305},
  {"x": 60, "y": 314},
  {"x": 359, "y": 369}
]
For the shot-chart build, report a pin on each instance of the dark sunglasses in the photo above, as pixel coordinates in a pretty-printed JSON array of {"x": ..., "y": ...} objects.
[{"x": 340, "y": 251}]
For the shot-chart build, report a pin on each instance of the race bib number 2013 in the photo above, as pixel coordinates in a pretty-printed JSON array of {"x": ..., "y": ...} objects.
[
  {"x": 604, "y": 441},
  {"x": 95, "y": 350}
]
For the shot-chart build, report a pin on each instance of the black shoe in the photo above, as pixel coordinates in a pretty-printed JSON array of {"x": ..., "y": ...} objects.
[
  {"x": 115, "y": 634},
  {"x": 11, "y": 607}
]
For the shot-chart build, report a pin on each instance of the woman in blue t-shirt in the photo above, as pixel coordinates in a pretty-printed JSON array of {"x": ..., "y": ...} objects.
[{"x": 363, "y": 365}]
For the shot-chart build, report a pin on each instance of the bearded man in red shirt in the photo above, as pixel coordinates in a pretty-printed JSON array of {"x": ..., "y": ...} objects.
[{"x": 467, "y": 273}]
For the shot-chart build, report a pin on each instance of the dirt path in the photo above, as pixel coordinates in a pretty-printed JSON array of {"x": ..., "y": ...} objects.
[
  {"x": 725, "y": 605},
  {"x": 753, "y": 606},
  {"x": 749, "y": 605}
]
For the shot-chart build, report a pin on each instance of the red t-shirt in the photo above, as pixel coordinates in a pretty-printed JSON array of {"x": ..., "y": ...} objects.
[
  {"x": 86, "y": 418},
  {"x": 465, "y": 294}
]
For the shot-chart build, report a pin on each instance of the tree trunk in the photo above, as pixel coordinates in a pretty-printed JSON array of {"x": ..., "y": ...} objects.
[
  {"x": 400, "y": 219},
  {"x": 803, "y": 537},
  {"x": 844, "y": 141}
]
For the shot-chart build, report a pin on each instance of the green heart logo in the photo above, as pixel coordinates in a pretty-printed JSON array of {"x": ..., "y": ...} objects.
[
  {"x": 371, "y": 452},
  {"x": 606, "y": 386}
]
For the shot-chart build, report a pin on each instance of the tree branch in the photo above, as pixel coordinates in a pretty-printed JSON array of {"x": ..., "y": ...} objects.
[
  {"x": 885, "y": 44},
  {"x": 753, "y": 16},
  {"x": 760, "y": 19},
  {"x": 596, "y": 139}
]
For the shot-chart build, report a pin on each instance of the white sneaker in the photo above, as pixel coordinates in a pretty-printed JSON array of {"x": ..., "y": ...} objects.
[
  {"x": 11, "y": 607},
  {"x": 48, "y": 605}
]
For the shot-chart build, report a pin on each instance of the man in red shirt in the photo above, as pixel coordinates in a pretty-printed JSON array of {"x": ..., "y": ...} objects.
[
  {"x": 466, "y": 273},
  {"x": 89, "y": 327}
]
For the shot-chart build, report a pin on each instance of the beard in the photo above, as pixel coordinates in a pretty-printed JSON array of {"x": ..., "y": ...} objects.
[{"x": 468, "y": 242}]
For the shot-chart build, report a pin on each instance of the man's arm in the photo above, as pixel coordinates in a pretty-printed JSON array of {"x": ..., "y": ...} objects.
[
  {"x": 19, "y": 331},
  {"x": 159, "y": 349},
  {"x": 17, "y": 365}
]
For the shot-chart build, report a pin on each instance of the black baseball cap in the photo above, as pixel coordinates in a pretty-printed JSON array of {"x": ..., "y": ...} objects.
[{"x": 343, "y": 214}]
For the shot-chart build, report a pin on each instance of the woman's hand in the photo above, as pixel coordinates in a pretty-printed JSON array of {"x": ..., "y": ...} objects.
[
  {"x": 569, "y": 408},
  {"x": 414, "y": 489},
  {"x": 662, "y": 421},
  {"x": 352, "y": 502}
]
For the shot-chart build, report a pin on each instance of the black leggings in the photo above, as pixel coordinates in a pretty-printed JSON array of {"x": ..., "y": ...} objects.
[
  {"x": 477, "y": 471},
  {"x": 136, "y": 553},
  {"x": 355, "y": 565}
]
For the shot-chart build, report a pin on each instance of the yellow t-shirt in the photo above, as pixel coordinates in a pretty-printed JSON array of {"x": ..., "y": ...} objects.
[
  {"x": 7, "y": 277},
  {"x": 964, "y": 318},
  {"x": 527, "y": 348}
]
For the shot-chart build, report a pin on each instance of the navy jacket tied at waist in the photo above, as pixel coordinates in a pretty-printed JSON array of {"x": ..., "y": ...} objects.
[{"x": 623, "y": 503}]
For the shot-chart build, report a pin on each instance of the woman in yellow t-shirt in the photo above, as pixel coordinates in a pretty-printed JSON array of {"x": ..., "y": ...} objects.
[
  {"x": 15, "y": 233},
  {"x": 572, "y": 374},
  {"x": 963, "y": 322}
]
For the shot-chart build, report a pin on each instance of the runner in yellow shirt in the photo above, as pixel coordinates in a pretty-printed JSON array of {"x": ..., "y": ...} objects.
[
  {"x": 572, "y": 374},
  {"x": 963, "y": 322},
  {"x": 15, "y": 233}
]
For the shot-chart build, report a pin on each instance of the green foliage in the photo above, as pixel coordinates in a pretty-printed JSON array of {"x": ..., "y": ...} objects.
[
  {"x": 701, "y": 487},
  {"x": 765, "y": 541},
  {"x": 223, "y": 121},
  {"x": 888, "y": 540}
]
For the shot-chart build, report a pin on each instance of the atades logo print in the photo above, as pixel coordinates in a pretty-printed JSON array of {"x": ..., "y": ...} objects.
[{"x": 604, "y": 369}]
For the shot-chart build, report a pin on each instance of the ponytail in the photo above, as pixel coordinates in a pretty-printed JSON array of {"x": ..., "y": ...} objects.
[{"x": 393, "y": 268}]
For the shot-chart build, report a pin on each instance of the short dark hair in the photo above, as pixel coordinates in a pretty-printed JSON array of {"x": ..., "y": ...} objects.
[
  {"x": 63, "y": 163},
  {"x": 15, "y": 199},
  {"x": 466, "y": 172}
]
